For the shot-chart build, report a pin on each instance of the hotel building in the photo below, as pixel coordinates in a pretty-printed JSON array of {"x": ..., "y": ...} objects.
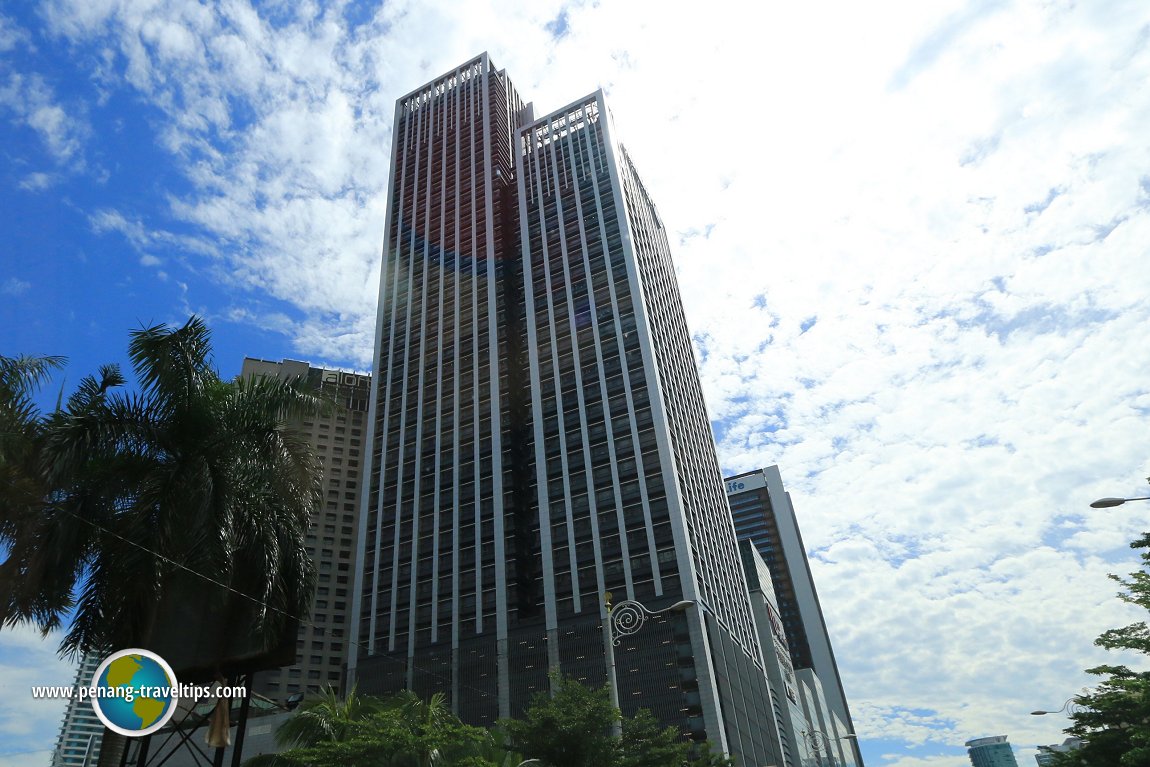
[{"x": 337, "y": 439}]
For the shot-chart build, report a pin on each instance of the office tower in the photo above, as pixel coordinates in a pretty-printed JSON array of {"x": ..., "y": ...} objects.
[
  {"x": 82, "y": 731},
  {"x": 763, "y": 514},
  {"x": 991, "y": 752},
  {"x": 337, "y": 439},
  {"x": 792, "y": 730},
  {"x": 539, "y": 435}
]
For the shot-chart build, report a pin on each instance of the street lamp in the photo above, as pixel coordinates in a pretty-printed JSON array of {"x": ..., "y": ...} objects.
[
  {"x": 1106, "y": 503},
  {"x": 526, "y": 762},
  {"x": 1071, "y": 707},
  {"x": 625, "y": 619},
  {"x": 817, "y": 739}
]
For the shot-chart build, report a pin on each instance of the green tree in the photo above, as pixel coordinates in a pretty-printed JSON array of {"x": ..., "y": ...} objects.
[
  {"x": 569, "y": 727},
  {"x": 21, "y": 439},
  {"x": 126, "y": 498},
  {"x": 327, "y": 717},
  {"x": 23, "y": 486},
  {"x": 1114, "y": 719},
  {"x": 404, "y": 731},
  {"x": 192, "y": 476},
  {"x": 646, "y": 744},
  {"x": 706, "y": 758}
]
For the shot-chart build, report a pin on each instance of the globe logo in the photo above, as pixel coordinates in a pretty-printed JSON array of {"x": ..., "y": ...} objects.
[{"x": 134, "y": 692}]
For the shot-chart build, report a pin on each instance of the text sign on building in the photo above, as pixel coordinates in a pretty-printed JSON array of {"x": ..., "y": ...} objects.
[
  {"x": 743, "y": 484},
  {"x": 354, "y": 380}
]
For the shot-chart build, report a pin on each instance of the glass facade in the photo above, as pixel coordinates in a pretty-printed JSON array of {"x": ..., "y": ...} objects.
[
  {"x": 994, "y": 751},
  {"x": 762, "y": 513},
  {"x": 540, "y": 437}
]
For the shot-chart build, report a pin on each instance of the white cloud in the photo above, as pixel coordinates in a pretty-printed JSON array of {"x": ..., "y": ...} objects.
[
  {"x": 36, "y": 182},
  {"x": 14, "y": 286},
  {"x": 896, "y": 760},
  {"x": 26, "y": 723},
  {"x": 11, "y": 35},
  {"x": 33, "y": 102},
  {"x": 956, "y": 194}
]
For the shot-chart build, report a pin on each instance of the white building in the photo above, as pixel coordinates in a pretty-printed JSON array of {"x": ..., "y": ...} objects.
[{"x": 81, "y": 731}]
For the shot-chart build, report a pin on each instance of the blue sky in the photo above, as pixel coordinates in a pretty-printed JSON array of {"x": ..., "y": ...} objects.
[{"x": 911, "y": 239}]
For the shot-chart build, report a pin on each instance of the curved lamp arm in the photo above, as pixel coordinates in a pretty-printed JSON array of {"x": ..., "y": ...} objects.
[
  {"x": 628, "y": 616},
  {"x": 1071, "y": 707},
  {"x": 1106, "y": 503},
  {"x": 815, "y": 737}
]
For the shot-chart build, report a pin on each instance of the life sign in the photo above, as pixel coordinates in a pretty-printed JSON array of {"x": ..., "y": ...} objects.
[{"x": 753, "y": 481}]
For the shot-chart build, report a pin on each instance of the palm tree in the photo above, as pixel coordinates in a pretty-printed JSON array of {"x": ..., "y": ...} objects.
[
  {"x": 425, "y": 719},
  {"x": 328, "y": 717},
  {"x": 401, "y": 731},
  {"x": 27, "y": 491},
  {"x": 20, "y": 433},
  {"x": 193, "y": 488}
]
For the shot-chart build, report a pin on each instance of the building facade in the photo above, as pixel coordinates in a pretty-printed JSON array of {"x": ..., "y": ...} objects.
[
  {"x": 795, "y": 748},
  {"x": 338, "y": 441},
  {"x": 994, "y": 751},
  {"x": 763, "y": 515},
  {"x": 539, "y": 435},
  {"x": 81, "y": 731}
]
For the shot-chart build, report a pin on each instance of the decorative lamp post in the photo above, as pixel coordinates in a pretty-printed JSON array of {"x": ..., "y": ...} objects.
[
  {"x": 1106, "y": 503},
  {"x": 1071, "y": 707},
  {"x": 820, "y": 740},
  {"x": 625, "y": 619}
]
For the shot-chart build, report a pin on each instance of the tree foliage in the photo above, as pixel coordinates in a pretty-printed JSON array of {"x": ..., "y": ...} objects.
[
  {"x": 571, "y": 727},
  {"x": 646, "y": 744},
  {"x": 404, "y": 731},
  {"x": 1114, "y": 719},
  {"x": 115, "y": 497}
]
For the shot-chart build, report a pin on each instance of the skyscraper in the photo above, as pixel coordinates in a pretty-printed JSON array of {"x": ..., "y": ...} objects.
[
  {"x": 994, "y": 751},
  {"x": 337, "y": 439},
  {"x": 763, "y": 515},
  {"x": 81, "y": 732},
  {"x": 539, "y": 434},
  {"x": 795, "y": 744}
]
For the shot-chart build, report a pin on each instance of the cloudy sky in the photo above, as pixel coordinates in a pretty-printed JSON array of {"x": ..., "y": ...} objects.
[{"x": 911, "y": 239}]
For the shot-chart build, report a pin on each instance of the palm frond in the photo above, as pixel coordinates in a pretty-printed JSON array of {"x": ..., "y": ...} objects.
[
  {"x": 172, "y": 364},
  {"x": 118, "y": 497}
]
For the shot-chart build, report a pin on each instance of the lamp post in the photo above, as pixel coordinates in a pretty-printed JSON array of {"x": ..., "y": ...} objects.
[
  {"x": 1106, "y": 503},
  {"x": 625, "y": 619},
  {"x": 817, "y": 739},
  {"x": 1071, "y": 707}
]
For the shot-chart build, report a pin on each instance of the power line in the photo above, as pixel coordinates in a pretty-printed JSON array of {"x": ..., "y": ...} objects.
[{"x": 262, "y": 603}]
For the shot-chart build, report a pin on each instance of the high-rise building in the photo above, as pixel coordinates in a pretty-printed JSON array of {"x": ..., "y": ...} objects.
[
  {"x": 991, "y": 752},
  {"x": 337, "y": 438},
  {"x": 539, "y": 434},
  {"x": 796, "y": 745},
  {"x": 81, "y": 731},
  {"x": 763, "y": 515},
  {"x": 827, "y": 735}
]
